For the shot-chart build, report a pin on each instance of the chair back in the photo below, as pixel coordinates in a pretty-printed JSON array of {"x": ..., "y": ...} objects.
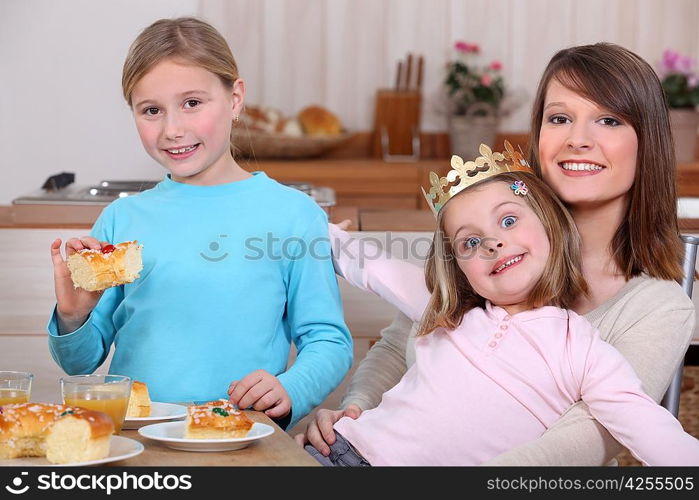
[{"x": 671, "y": 400}]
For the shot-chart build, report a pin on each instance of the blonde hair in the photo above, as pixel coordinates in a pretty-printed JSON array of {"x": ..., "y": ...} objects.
[
  {"x": 185, "y": 39},
  {"x": 561, "y": 283},
  {"x": 648, "y": 238}
]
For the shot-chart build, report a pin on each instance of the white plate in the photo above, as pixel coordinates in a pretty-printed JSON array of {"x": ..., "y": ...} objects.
[
  {"x": 120, "y": 448},
  {"x": 171, "y": 434},
  {"x": 159, "y": 412}
]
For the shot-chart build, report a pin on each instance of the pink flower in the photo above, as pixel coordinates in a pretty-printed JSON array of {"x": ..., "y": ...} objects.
[
  {"x": 486, "y": 80},
  {"x": 670, "y": 60},
  {"x": 462, "y": 47},
  {"x": 496, "y": 65},
  {"x": 467, "y": 48}
]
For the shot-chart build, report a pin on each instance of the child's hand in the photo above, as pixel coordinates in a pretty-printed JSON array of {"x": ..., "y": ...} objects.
[
  {"x": 345, "y": 224},
  {"x": 73, "y": 304},
  {"x": 262, "y": 391},
  {"x": 320, "y": 432}
]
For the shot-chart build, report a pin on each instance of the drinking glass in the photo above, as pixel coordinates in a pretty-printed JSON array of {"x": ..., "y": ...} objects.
[
  {"x": 105, "y": 393},
  {"x": 15, "y": 387}
]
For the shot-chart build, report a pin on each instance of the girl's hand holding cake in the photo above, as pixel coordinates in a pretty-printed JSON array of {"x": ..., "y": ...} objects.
[
  {"x": 73, "y": 304},
  {"x": 90, "y": 267}
]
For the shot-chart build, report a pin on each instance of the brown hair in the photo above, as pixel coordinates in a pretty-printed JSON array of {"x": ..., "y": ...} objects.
[
  {"x": 561, "y": 283},
  {"x": 186, "y": 39},
  {"x": 648, "y": 239}
]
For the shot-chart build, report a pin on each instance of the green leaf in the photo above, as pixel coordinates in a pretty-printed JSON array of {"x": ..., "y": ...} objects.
[{"x": 220, "y": 411}]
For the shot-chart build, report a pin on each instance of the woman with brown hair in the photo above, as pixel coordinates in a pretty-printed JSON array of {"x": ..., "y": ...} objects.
[{"x": 601, "y": 139}]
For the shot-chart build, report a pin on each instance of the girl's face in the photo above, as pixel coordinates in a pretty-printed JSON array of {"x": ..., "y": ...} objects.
[
  {"x": 587, "y": 154},
  {"x": 500, "y": 243},
  {"x": 184, "y": 116}
]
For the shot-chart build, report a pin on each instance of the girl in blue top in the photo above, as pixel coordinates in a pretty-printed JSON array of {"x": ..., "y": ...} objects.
[{"x": 235, "y": 265}]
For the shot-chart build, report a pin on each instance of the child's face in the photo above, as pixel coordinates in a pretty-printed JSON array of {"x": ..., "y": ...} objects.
[
  {"x": 184, "y": 116},
  {"x": 500, "y": 243},
  {"x": 587, "y": 154}
]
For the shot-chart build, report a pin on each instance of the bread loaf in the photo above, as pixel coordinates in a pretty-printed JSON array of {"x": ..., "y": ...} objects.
[
  {"x": 216, "y": 420},
  {"x": 139, "y": 401},
  {"x": 94, "y": 270},
  {"x": 62, "y": 434},
  {"x": 316, "y": 120}
]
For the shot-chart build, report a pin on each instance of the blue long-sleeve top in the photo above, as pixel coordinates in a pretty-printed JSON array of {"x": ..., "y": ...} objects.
[{"x": 232, "y": 275}]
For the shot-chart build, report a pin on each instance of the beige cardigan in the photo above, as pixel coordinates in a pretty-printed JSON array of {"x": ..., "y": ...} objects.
[{"x": 651, "y": 322}]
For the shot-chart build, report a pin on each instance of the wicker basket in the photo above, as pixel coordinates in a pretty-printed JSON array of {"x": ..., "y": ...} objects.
[{"x": 259, "y": 145}]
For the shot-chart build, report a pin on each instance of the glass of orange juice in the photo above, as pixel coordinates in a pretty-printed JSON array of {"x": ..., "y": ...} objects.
[
  {"x": 105, "y": 393},
  {"x": 15, "y": 387}
]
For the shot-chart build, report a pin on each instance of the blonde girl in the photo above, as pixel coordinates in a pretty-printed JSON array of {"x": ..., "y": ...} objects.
[{"x": 228, "y": 282}]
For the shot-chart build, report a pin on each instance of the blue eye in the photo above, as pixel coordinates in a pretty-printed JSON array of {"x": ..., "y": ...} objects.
[
  {"x": 508, "y": 221},
  {"x": 473, "y": 241}
]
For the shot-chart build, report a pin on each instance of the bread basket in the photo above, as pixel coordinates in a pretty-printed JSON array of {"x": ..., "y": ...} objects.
[{"x": 265, "y": 145}]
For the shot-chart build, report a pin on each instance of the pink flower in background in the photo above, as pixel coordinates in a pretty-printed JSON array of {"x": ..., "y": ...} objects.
[
  {"x": 470, "y": 82},
  {"x": 680, "y": 83},
  {"x": 674, "y": 62},
  {"x": 462, "y": 47},
  {"x": 467, "y": 48},
  {"x": 670, "y": 58}
]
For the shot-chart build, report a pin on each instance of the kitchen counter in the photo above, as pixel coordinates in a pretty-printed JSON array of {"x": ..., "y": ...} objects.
[{"x": 367, "y": 185}]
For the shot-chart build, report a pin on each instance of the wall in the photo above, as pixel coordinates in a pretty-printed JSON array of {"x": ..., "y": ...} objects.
[
  {"x": 60, "y": 63},
  {"x": 60, "y": 90}
]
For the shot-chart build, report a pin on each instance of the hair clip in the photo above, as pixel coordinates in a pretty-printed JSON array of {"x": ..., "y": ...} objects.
[{"x": 520, "y": 188}]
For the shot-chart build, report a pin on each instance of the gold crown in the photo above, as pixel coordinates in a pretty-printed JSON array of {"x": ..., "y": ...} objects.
[{"x": 469, "y": 173}]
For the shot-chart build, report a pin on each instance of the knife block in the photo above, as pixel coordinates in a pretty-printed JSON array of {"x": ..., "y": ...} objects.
[{"x": 398, "y": 113}]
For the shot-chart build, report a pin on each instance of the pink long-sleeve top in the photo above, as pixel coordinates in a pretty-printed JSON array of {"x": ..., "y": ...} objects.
[{"x": 497, "y": 381}]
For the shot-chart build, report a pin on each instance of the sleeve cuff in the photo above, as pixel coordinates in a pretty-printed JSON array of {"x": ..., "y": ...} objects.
[{"x": 53, "y": 330}]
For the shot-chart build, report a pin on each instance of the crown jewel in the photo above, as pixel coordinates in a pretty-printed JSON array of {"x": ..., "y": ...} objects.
[{"x": 487, "y": 165}]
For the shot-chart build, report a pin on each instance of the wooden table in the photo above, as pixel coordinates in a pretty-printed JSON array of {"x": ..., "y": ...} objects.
[{"x": 277, "y": 449}]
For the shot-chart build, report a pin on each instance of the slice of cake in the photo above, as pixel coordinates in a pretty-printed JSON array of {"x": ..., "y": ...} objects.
[
  {"x": 139, "y": 401},
  {"x": 94, "y": 270},
  {"x": 62, "y": 433},
  {"x": 216, "y": 420}
]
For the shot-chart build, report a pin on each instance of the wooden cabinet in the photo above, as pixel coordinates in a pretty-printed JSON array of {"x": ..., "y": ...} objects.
[{"x": 363, "y": 183}]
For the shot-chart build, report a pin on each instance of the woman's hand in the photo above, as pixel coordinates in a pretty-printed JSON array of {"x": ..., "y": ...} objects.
[
  {"x": 73, "y": 304},
  {"x": 263, "y": 392},
  {"x": 320, "y": 432}
]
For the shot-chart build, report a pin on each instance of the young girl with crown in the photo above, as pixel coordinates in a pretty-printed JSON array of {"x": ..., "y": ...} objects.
[
  {"x": 601, "y": 139},
  {"x": 499, "y": 355},
  {"x": 212, "y": 314}
]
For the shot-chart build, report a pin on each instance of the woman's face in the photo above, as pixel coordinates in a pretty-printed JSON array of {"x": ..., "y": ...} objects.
[{"x": 587, "y": 154}]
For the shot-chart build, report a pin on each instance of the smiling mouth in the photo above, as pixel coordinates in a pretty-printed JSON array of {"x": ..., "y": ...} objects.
[
  {"x": 214, "y": 259},
  {"x": 183, "y": 151},
  {"x": 583, "y": 167},
  {"x": 508, "y": 264}
]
